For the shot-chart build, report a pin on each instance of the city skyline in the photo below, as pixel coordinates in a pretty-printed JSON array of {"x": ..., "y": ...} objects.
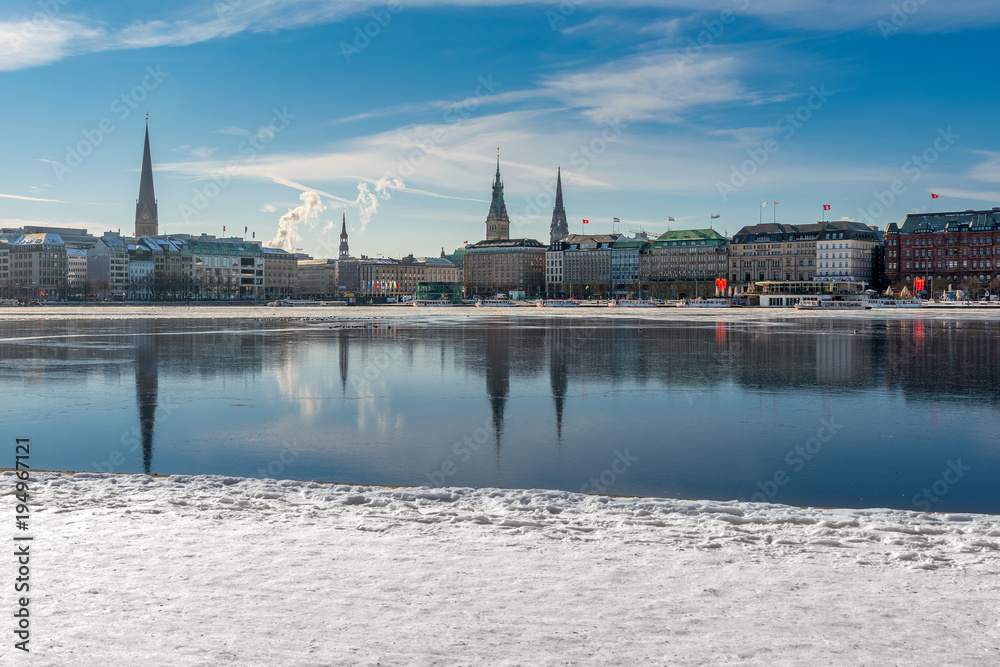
[{"x": 652, "y": 111}]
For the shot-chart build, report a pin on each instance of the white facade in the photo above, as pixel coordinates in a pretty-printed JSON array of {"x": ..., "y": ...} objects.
[
  {"x": 140, "y": 276},
  {"x": 76, "y": 269}
]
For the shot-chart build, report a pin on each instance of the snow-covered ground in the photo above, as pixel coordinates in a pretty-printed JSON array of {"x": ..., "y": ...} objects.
[
  {"x": 300, "y": 313},
  {"x": 134, "y": 570}
]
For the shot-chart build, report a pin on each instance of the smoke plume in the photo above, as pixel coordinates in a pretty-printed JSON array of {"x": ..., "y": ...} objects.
[
  {"x": 368, "y": 201},
  {"x": 288, "y": 235}
]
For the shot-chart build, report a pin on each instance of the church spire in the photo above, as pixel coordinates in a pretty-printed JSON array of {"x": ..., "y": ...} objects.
[
  {"x": 560, "y": 226},
  {"x": 345, "y": 251},
  {"x": 497, "y": 222},
  {"x": 147, "y": 221}
]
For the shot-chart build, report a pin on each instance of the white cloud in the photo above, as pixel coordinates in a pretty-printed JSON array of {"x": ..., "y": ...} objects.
[
  {"x": 267, "y": 208},
  {"x": 52, "y": 201},
  {"x": 46, "y": 39}
]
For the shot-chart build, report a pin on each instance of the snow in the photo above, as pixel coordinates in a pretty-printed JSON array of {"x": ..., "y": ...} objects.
[{"x": 203, "y": 570}]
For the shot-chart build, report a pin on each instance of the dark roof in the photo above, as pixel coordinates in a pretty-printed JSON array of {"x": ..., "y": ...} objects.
[
  {"x": 780, "y": 231},
  {"x": 916, "y": 223},
  {"x": 850, "y": 229},
  {"x": 506, "y": 243}
]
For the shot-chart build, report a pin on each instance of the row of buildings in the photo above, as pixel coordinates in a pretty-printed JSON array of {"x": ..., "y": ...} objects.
[
  {"x": 56, "y": 263},
  {"x": 945, "y": 249}
]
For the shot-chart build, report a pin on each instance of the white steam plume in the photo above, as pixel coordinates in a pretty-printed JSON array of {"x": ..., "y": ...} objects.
[
  {"x": 368, "y": 201},
  {"x": 287, "y": 235}
]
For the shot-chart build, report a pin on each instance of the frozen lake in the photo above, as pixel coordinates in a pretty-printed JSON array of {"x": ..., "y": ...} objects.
[{"x": 897, "y": 411}]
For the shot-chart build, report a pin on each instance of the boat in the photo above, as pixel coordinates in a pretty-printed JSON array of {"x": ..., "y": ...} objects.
[
  {"x": 557, "y": 303},
  {"x": 9, "y": 302},
  {"x": 284, "y": 303},
  {"x": 495, "y": 303},
  {"x": 897, "y": 303},
  {"x": 715, "y": 302},
  {"x": 421, "y": 303},
  {"x": 833, "y": 304},
  {"x": 631, "y": 303}
]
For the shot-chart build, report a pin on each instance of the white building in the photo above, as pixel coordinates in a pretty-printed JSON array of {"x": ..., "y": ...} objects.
[
  {"x": 76, "y": 269},
  {"x": 845, "y": 252},
  {"x": 107, "y": 265}
]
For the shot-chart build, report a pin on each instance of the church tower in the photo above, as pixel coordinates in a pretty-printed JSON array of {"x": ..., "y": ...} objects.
[
  {"x": 147, "y": 220},
  {"x": 345, "y": 252},
  {"x": 560, "y": 227},
  {"x": 497, "y": 222}
]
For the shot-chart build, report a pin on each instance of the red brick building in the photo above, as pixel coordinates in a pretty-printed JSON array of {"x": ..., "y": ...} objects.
[{"x": 944, "y": 248}]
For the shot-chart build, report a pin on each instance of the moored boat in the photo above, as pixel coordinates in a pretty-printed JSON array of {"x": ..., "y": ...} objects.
[
  {"x": 714, "y": 302},
  {"x": 421, "y": 303},
  {"x": 495, "y": 303},
  {"x": 557, "y": 303},
  {"x": 631, "y": 303},
  {"x": 833, "y": 304}
]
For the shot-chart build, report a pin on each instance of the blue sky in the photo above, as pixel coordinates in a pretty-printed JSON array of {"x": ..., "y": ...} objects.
[{"x": 658, "y": 109}]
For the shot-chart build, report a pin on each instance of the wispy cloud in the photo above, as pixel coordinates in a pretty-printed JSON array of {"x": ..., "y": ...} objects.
[
  {"x": 42, "y": 39},
  {"x": 51, "y": 201}
]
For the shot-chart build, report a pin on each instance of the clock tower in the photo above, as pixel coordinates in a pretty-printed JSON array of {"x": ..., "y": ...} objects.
[{"x": 147, "y": 221}]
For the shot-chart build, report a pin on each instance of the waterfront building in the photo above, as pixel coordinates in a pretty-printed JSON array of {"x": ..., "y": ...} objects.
[
  {"x": 6, "y": 286},
  {"x": 500, "y": 264},
  {"x": 140, "y": 271},
  {"x": 848, "y": 251},
  {"x": 773, "y": 251},
  {"x": 957, "y": 249},
  {"x": 579, "y": 266},
  {"x": 225, "y": 268},
  {"x": 785, "y": 293},
  {"x": 107, "y": 266},
  {"x": 76, "y": 270},
  {"x": 685, "y": 263},
  {"x": 280, "y": 274},
  {"x": 625, "y": 253},
  {"x": 316, "y": 278},
  {"x": 172, "y": 267},
  {"x": 38, "y": 266},
  {"x": 497, "y": 221}
]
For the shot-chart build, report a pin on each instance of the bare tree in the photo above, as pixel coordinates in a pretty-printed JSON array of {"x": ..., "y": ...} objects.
[{"x": 972, "y": 286}]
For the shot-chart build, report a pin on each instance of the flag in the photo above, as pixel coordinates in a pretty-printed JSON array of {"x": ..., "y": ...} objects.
[
  {"x": 253, "y": 235},
  {"x": 763, "y": 204},
  {"x": 776, "y": 203},
  {"x": 223, "y": 229},
  {"x": 245, "y": 230},
  {"x": 586, "y": 222},
  {"x": 826, "y": 207},
  {"x": 714, "y": 215},
  {"x": 618, "y": 219},
  {"x": 672, "y": 220},
  {"x": 934, "y": 196},
  {"x": 464, "y": 241}
]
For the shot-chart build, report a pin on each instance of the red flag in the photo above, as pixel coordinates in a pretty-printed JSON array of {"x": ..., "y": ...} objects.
[
  {"x": 934, "y": 196},
  {"x": 586, "y": 222},
  {"x": 223, "y": 228},
  {"x": 826, "y": 207}
]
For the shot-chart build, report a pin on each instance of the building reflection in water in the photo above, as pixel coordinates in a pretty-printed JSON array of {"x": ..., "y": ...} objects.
[
  {"x": 498, "y": 350},
  {"x": 146, "y": 387}
]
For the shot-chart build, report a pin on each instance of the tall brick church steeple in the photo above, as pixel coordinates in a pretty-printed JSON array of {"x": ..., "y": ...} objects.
[
  {"x": 147, "y": 220},
  {"x": 497, "y": 222}
]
